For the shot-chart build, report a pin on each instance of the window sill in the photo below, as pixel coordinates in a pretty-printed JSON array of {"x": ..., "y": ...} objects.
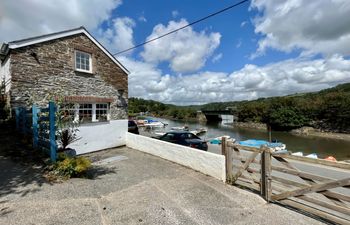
[
  {"x": 83, "y": 72},
  {"x": 94, "y": 123}
]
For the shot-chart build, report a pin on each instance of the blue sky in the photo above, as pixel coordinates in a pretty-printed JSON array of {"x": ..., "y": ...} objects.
[
  {"x": 227, "y": 23},
  {"x": 258, "y": 49}
]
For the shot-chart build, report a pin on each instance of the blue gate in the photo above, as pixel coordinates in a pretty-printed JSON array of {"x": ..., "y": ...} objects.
[{"x": 40, "y": 123}]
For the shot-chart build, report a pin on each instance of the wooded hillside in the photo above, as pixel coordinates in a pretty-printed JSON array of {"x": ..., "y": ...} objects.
[{"x": 328, "y": 110}]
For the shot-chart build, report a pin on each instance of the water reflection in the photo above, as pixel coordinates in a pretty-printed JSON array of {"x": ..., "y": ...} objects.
[{"x": 321, "y": 146}]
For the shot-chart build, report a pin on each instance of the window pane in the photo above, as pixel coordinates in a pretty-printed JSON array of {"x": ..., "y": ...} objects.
[
  {"x": 67, "y": 112},
  {"x": 82, "y": 60},
  {"x": 101, "y": 111},
  {"x": 85, "y": 113}
]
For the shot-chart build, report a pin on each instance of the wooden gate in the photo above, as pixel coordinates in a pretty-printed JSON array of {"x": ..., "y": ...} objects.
[
  {"x": 315, "y": 186},
  {"x": 40, "y": 125}
]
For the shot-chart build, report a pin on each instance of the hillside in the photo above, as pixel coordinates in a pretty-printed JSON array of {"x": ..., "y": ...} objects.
[{"x": 328, "y": 109}]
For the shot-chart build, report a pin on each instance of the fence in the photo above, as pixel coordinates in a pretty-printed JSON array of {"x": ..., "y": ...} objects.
[
  {"x": 39, "y": 123},
  {"x": 316, "y": 186}
]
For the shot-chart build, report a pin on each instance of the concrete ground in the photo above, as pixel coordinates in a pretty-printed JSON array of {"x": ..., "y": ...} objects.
[{"x": 136, "y": 189}]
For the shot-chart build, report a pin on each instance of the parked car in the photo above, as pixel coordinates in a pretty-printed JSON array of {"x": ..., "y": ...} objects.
[
  {"x": 132, "y": 127},
  {"x": 184, "y": 138}
]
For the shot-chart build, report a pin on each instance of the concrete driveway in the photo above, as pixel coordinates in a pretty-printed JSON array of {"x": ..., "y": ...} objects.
[{"x": 134, "y": 189}]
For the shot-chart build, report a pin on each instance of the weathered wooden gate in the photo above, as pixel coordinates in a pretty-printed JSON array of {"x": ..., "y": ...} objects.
[
  {"x": 316, "y": 186},
  {"x": 40, "y": 124}
]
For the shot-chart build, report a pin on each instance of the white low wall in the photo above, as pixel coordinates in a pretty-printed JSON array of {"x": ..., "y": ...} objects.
[
  {"x": 98, "y": 136},
  {"x": 205, "y": 162}
]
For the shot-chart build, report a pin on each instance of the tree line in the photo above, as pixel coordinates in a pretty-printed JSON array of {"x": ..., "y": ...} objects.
[
  {"x": 158, "y": 109},
  {"x": 328, "y": 110}
]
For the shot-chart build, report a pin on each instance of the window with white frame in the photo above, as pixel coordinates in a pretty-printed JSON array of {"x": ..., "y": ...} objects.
[
  {"x": 83, "y": 61},
  {"x": 86, "y": 112}
]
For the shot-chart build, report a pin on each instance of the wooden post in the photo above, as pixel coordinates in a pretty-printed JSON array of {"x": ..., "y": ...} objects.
[
  {"x": 266, "y": 188},
  {"x": 228, "y": 158},
  {"x": 229, "y": 168},
  {"x": 223, "y": 152},
  {"x": 223, "y": 146},
  {"x": 35, "y": 126},
  {"x": 52, "y": 134}
]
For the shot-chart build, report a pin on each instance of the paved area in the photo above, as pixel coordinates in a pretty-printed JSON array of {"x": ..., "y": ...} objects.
[{"x": 135, "y": 189}]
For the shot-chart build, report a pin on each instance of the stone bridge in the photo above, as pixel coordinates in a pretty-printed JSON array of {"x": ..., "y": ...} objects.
[{"x": 215, "y": 115}]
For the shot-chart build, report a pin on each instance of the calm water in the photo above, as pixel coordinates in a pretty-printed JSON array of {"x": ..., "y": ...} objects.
[{"x": 323, "y": 147}]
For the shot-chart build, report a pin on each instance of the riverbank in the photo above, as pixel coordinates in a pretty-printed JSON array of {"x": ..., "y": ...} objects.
[{"x": 304, "y": 131}]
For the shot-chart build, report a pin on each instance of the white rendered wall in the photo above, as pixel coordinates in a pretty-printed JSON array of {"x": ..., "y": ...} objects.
[
  {"x": 5, "y": 74},
  {"x": 99, "y": 136},
  {"x": 205, "y": 162}
]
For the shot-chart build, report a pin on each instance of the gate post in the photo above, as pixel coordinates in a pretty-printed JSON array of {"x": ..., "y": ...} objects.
[
  {"x": 226, "y": 151},
  {"x": 266, "y": 188},
  {"x": 35, "y": 126},
  {"x": 52, "y": 134},
  {"x": 23, "y": 115},
  {"x": 17, "y": 112}
]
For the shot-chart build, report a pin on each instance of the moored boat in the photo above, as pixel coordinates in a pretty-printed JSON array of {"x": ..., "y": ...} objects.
[
  {"x": 277, "y": 146},
  {"x": 218, "y": 140},
  {"x": 312, "y": 156},
  {"x": 199, "y": 131},
  {"x": 154, "y": 123}
]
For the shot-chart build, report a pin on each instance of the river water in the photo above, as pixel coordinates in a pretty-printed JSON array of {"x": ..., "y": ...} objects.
[{"x": 323, "y": 147}]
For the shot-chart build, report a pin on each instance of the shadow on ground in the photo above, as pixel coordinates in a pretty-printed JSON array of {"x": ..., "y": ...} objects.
[{"x": 21, "y": 168}]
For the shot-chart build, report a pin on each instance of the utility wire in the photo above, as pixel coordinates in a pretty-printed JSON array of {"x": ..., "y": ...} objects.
[{"x": 190, "y": 24}]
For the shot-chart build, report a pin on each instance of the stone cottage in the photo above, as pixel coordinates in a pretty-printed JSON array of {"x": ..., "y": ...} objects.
[{"x": 73, "y": 65}]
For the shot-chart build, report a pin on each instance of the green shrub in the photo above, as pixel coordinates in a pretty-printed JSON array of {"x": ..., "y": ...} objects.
[{"x": 71, "y": 166}]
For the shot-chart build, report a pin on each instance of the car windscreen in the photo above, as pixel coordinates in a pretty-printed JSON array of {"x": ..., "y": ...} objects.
[{"x": 168, "y": 137}]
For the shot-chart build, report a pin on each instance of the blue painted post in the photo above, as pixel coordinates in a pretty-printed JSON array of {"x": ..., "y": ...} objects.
[
  {"x": 35, "y": 112},
  {"x": 17, "y": 111},
  {"x": 23, "y": 115},
  {"x": 53, "y": 145}
]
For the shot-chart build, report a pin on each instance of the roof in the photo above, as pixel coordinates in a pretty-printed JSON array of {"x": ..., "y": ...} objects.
[{"x": 62, "y": 34}]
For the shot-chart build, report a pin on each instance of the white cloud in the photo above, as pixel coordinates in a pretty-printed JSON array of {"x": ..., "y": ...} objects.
[
  {"x": 23, "y": 18},
  {"x": 251, "y": 82},
  {"x": 244, "y": 23},
  {"x": 142, "y": 19},
  {"x": 239, "y": 43},
  {"x": 313, "y": 26},
  {"x": 185, "y": 50},
  {"x": 175, "y": 13},
  {"x": 119, "y": 36},
  {"x": 217, "y": 57}
]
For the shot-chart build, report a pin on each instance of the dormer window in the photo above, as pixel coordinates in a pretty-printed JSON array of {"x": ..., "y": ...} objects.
[{"x": 83, "y": 62}]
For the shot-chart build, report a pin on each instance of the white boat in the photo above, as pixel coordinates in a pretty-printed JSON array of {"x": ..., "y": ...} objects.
[
  {"x": 199, "y": 131},
  {"x": 185, "y": 128},
  {"x": 312, "y": 156},
  {"x": 298, "y": 154},
  {"x": 154, "y": 123},
  {"x": 218, "y": 140}
]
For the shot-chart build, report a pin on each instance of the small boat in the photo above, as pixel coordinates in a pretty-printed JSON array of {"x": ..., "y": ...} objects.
[
  {"x": 184, "y": 128},
  {"x": 154, "y": 123},
  {"x": 298, "y": 153},
  {"x": 331, "y": 158},
  {"x": 312, "y": 156},
  {"x": 199, "y": 131},
  {"x": 218, "y": 140},
  {"x": 277, "y": 146}
]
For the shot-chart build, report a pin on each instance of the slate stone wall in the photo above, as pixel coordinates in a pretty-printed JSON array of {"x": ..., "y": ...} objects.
[{"x": 43, "y": 70}]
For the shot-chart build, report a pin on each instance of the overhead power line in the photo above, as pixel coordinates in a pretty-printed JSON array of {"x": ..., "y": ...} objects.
[{"x": 180, "y": 28}]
